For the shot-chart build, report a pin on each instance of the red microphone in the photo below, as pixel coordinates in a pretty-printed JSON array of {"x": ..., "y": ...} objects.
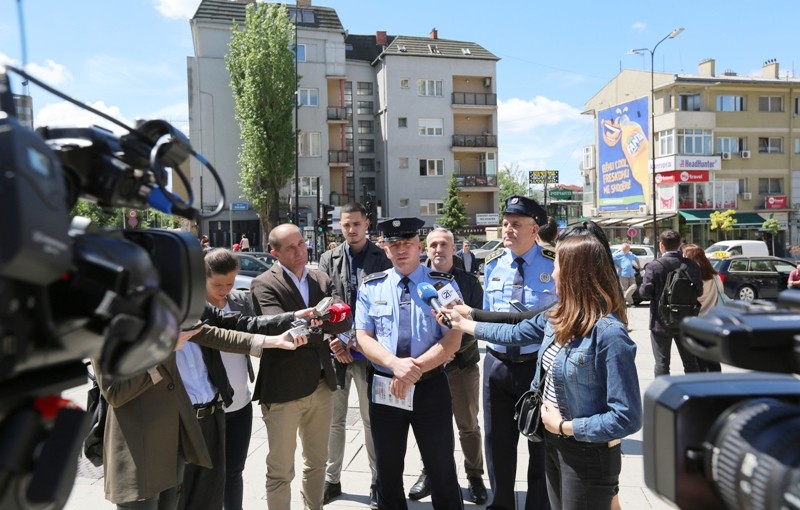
[{"x": 337, "y": 312}]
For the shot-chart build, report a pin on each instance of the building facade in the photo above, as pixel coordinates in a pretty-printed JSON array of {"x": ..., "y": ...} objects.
[
  {"x": 721, "y": 142},
  {"x": 382, "y": 118}
]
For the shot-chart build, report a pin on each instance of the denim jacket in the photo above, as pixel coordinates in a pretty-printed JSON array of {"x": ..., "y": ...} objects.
[{"x": 596, "y": 383}]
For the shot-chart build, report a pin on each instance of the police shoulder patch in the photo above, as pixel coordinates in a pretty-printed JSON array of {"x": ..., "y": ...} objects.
[
  {"x": 494, "y": 255},
  {"x": 549, "y": 253},
  {"x": 374, "y": 277},
  {"x": 441, "y": 276}
]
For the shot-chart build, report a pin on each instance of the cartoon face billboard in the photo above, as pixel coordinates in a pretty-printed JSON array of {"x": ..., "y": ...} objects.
[{"x": 623, "y": 156}]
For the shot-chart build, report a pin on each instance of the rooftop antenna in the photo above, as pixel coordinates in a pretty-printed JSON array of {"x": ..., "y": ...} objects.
[{"x": 23, "y": 44}]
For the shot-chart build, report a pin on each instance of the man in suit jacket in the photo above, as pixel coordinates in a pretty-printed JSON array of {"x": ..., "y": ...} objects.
[
  {"x": 470, "y": 262},
  {"x": 347, "y": 265},
  {"x": 294, "y": 388}
]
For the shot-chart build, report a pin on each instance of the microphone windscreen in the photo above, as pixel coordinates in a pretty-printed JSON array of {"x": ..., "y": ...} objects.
[{"x": 426, "y": 292}]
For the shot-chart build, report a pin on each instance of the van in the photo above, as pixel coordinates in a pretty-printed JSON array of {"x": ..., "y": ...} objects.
[{"x": 724, "y": 249}]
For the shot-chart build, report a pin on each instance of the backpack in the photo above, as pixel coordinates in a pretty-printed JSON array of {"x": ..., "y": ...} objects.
[
  {"x": 97, "y": 406},
  {"x": 678, "y": 298}
]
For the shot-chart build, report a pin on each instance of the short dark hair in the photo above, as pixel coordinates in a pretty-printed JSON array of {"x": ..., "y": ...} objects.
[
  {"x": 352, "y": 207},
  {"x": 670, "y": 239},
  {"x": 220, "y": 261},
  {"x": 548, "y": 232}
]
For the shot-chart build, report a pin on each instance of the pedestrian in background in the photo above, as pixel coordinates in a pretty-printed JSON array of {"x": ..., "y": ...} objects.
[
  {"x": 712, "y": 289},
  {"x": 627, "y": 264}
]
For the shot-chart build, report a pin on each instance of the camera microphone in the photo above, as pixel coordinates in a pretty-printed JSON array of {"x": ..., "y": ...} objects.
[{"x": 428, "y": 294}]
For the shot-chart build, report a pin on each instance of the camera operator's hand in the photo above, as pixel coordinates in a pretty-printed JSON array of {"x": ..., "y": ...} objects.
[{"x": 340, "y": 351}]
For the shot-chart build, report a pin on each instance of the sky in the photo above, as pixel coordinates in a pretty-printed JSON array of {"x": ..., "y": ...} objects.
[{"x": 128, "y": 57}]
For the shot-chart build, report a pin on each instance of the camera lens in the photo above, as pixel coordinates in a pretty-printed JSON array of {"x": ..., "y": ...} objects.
[{"x": 755, "y": 461}]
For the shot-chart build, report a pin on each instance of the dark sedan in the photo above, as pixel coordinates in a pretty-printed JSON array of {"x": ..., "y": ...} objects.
[
  {"x": 748, "y": 278},
  {"x": 250, "y": 265}
]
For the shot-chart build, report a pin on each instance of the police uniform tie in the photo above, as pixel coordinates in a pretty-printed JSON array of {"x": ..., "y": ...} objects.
[
  {"x": 518, "y": 293},
  {"x": 404, "y": 329}
]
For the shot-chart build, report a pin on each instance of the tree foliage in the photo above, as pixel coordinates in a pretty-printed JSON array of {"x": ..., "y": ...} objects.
[
  {"x": 454, "y": 216},
  {"x": 512, "y": 181},
  {"x": 723, "y": 221},
  {"x": 118, "y": 218},
  {"x": 773, "y": 227},
  {"x": 261, "y": 65}
]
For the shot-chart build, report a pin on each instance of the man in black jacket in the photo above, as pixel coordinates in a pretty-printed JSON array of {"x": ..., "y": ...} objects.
[{"x": 655, "y": 277}]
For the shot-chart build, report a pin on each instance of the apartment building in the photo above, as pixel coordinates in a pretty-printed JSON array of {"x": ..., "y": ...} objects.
[
  {"x": 722, "y": 141},
  {"x": 387, "y": 117}
]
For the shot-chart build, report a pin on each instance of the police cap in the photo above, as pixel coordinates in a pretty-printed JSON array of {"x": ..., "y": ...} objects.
[
  {"x": 395, "y": 229},
  {"x": 517, "y": 204}
]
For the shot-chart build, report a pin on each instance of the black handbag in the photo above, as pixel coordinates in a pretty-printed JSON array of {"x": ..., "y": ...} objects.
[{"x": 528, "y": 412}]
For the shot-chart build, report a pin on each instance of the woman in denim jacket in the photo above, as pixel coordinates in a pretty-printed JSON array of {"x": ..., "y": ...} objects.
[{"x": 591, "y": 396}]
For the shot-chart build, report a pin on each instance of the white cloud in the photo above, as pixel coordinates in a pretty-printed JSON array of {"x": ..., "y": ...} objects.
[
  {"x": 51, "y": 72},
  {"x": 177, "y": 9},
  {"x": 639, "y": 26},
  {"x": 65, "y": 114}
]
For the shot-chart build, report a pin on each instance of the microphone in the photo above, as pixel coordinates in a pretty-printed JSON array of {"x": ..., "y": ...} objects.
[
  {"x": 428, "y": 294},
  {"x": 336, "y": 313}
]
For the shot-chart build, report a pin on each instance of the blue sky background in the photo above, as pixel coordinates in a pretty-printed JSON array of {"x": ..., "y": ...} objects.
[{"x": 128, "y": 57}]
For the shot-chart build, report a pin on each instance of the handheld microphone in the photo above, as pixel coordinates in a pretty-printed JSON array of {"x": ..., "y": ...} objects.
[
  {"x": 337, "y": 312},
  {"x": 428, "y": 294}
]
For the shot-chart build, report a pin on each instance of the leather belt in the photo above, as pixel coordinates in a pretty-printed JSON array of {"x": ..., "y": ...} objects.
[
  {"x": 505, "y": 357},
  {"x": 571, "y": 439},
  {"x": 430, "y": 374},
  {"x": 206, "y": 410}
]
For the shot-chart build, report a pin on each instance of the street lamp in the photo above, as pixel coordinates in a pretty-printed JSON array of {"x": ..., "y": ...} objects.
[{"x": 638, "y": 51}]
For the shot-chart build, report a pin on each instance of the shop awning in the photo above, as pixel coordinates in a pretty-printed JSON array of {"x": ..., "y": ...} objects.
[
  {"x": 649, "y": 221},
  {"x": 612, "y": 221},
  {"x": 704, "y": 216}
]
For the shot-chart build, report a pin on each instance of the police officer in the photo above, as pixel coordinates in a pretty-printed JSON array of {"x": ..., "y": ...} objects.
[
  {"x": 520, "y": 271},
  {"x": 398, "y": 333}
]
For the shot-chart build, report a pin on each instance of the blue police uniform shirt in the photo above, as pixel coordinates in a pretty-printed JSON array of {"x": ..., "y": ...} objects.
[
  {"x": 540, "y": 289},
  {"x": 625, "y": 263},
  {"x": 378, "y": 310}
]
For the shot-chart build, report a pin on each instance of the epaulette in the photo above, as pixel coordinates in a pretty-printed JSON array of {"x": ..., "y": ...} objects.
[
  {"x": 494, "y": 255},
  {"x": 374, "y": 277},
  {"x": 441, "y": 276},
  {"x": 549, "y": 253}
]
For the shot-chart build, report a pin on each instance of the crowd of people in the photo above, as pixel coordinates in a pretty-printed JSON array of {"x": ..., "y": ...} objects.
[{"x": 551, "y": 308}]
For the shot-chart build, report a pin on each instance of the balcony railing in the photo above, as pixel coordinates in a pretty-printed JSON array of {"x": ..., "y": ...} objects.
[
  {"x": 338, "y": 157},
  {"x": 476, "y": 181},
  {"x": 474, "y": 141},
  {"x": 337, "y": 113},
  {"x": 475, "y": 98}
]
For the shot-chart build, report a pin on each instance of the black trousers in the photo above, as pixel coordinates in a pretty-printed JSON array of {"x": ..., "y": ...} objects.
[
  {"x": 165, "y": 500},
  {"x": 202, "y": 487},
  {"x": 238, "y": 427},
  {"x": 503, "y": 383},
  {"x": 432, "y": 423}
]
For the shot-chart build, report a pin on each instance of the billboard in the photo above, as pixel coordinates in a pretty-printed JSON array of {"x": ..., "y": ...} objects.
[{"x": 623, "y": 156}]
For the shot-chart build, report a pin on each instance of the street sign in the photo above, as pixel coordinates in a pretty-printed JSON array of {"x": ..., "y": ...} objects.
[
  {"x": 133, "y": 213},
  {"x": 487, "y": 219},
  {"x": 542, "y": 176},
  {"x": 561, "y": 194},
  {"x": 133, "y": 222},
  {"x": 632, "y": 232},
  {"x": 239, "y": 206}
]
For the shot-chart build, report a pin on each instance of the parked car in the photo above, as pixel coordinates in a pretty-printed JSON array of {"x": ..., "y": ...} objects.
[
  {"x": 242, "y": 282},
  {"x": 748, "y": 278},
  {"x": 250, "y": 265},
  {"x": 643, "y": 252},
  {"x": 488, "y": 247},
  {"x": 263, "y": 257},
  {"x": 748, "y": 248}
]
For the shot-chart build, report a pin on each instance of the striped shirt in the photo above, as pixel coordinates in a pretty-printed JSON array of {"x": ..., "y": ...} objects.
[{"x": 548, "y": 356}]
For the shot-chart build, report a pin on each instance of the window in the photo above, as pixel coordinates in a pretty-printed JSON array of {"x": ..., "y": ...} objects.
[
  {"x": 742, "y": 186},
  {"x": 429, "y": 87},
  {"x": 300, "y": 52},
  {"x": 368, "y": 183},
  {"x": 770, "y": 104},
  {"x": 365, "y": 107},
  {"x": 797, "y": 106},
  {"x": 770, "y": 145},
  {"x": 431, "y": 127},
  {"x": 404, "y": 202},
  {"x": 366, "y": 145},
  {"x": 770, "y": 186},
  {"x": 308, "y": 97},
  {"x": 365, "y": 127},
  {"x": 434, "y": 49},
  {"x": 301, "y": 15},
  {"x": 403, "y": 162},
  {"x": 366, "y": 165},
  {"x": 694, "y": 141},
  {"x": 430, "y": 207},
  {"x": 487, "y": 164},
  {"x": 431, "y": 167},
  {"x": 588, "y": 157},
  {"x": 666, "y": 142},
  {"x": 308, "y": 144},
  {"x": 731, "y": 103},
  {"x": 364, "y": 88},
  {"x": 308, "y": 186},
  {"x": 731, "y": 144},
  {"x": 797, "y": 145},
  {"x": 402, "y": 122},
  {"x": 690, "y": 102},
  {"x": 404, "y": 83}
]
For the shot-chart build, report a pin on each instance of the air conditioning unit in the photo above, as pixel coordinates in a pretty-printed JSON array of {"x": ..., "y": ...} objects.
[
  {"x": 592, "y": 212},
  {"x": 487, "y": 82},
  {"x": 642, "y": 209},
  {"x": 747, "y": 195},
  {"x": 726, "y": 155},
  {"x": 745, "y": 154}
]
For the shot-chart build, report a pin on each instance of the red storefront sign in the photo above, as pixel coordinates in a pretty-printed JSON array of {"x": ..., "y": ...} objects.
[
  {"x": 775, "y": 202},
  {"x": 682, "y": 176}
]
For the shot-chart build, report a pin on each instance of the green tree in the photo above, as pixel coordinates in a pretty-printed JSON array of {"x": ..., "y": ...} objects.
[
  {"x": 261, "y": 65},
  {"x": 723, "y": 221},
  {"x": 114, "y": 218},
  {"x": 773, "y": 227},
  {"x": 512, "y": 181},
  {"x": 453, "y": 216}
]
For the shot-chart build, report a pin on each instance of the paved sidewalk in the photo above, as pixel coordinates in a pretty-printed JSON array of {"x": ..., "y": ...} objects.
[{"x": 88, "y": 490}]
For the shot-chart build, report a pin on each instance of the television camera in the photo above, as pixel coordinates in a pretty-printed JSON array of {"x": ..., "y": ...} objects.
[
  {"x": 732, "y": 440},
  {"x": 70, "y": 290}
]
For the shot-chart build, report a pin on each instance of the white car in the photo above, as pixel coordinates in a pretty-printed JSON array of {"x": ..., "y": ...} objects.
[{"x": 643, "y": 252}]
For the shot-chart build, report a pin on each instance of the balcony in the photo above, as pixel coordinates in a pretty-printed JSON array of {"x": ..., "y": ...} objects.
[
  {"x": 337, "y": 113},
  {"x": 474, "y": 141},
  {"x": 476, "y": 181},
  {"x": 338, "y": 158},
  {"x": 474, "y": 99}
]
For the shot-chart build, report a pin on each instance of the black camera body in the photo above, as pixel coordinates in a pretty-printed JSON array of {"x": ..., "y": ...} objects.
[{"x": 732, "y": 440}]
